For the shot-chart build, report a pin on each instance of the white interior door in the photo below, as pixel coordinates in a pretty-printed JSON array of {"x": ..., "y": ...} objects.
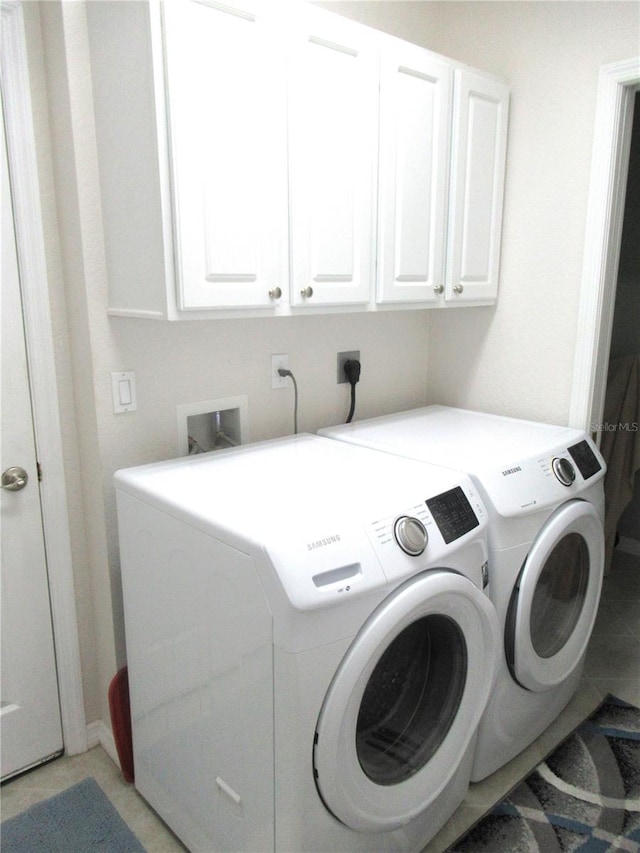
[{"x": 30, "y": 711}]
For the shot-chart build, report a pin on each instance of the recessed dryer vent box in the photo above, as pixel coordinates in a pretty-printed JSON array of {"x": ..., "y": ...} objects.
[{"x": 211, "y": 425}]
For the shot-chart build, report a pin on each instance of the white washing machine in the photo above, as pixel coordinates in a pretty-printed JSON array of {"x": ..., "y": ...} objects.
[
  {"x": 543, "y": 488},
  {"x": 309, "y": 646}
]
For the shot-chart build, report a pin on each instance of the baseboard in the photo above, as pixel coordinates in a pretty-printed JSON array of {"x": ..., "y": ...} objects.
[
  {"x": 100, "y": 734},
  {"x": 629, "y": 545}
]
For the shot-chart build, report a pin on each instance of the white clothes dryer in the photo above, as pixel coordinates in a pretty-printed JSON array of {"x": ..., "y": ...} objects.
[
  {"x": 543, "y": 488},
  {"x": 309, "y": 646}
]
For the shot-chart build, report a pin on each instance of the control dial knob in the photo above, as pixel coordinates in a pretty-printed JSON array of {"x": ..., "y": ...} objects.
[
  {"x": 411, "y": 535},
  {"x": 564, "y": 470}
]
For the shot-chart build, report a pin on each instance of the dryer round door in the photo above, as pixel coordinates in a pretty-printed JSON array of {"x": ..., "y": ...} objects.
[
  {"x": 405, "y": 701},
  {"x": 554, "y": 603}
]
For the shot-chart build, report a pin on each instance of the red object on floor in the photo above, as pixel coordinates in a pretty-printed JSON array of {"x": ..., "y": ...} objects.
[{"x": 121, "y": 721}]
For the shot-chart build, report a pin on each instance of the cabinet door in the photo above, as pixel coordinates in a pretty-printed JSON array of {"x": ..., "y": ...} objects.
[
  {"x": 333, "y": 132},
  {"x": 416, "y": 92},
  {"x": 477, "y": 182},
  {"x": 226, "y": 112}
]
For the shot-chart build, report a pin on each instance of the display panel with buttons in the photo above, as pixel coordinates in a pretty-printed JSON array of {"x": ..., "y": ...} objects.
[
  {"x": 585, "y": 459},
  {"x": 453, "y": 514}
]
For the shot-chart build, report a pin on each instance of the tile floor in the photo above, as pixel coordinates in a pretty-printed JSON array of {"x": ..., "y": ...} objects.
[{"x": 612, "y": 666}]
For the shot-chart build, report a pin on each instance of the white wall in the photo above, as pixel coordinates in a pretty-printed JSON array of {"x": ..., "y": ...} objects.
[
  {"x": 516, "y": 358},
  {"x": 551, "y": 54},
  {"x": 174, "y": 363},
  {"x": 48, "y": 79}
]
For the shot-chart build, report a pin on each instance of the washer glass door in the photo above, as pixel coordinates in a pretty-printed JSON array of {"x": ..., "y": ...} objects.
[
  {"x": 403, "y": 707},
  {"x": 554, "y": 603},
  {"x": 411, "y": 699}
]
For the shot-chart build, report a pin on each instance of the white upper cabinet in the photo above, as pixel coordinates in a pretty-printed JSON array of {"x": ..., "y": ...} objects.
[
  {"x": 443, "y": 136},
  {"x": 477, "y": 183},
  {"x": 416, "y": 96},
  {"x": 227, "y": 123},
  {"x": 263, "y": 159},
  {"x": 333, "y": 149}
]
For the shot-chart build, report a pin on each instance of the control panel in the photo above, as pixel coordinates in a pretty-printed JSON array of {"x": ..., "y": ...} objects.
[
  {"x": 453, "y": 514},
  {"x": 537, "y": 482},
  {"x": 450, "y": 512},
  {"x": 585, "y": 459}
]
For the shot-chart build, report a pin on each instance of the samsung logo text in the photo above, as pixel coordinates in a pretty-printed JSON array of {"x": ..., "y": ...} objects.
[{"x": 322, "y": 543}]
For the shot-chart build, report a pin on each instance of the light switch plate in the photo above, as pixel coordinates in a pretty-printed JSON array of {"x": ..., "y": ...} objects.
[{"x": 123, "y": 391}]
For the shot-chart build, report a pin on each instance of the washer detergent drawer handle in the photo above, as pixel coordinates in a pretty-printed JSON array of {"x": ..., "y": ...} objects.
[{"x": 342, "y": 573}]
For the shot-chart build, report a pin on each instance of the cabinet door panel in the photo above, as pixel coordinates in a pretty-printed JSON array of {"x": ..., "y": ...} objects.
[
  {"x": 415, "y": 113},
  {"x": 228, "y": 148},
  {"x": 478, "y": 165},
  {"x": 333, "y": 127}
]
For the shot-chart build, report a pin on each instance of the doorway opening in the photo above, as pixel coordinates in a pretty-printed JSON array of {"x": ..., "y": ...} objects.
[
  {"x": 612, "y": 166},
  {"x": 621, "y": 417}
]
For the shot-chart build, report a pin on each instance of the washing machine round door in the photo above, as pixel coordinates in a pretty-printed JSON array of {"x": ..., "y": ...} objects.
[
  {"x": 555, "y": 601},
  {"x": 405, "y": 701}
]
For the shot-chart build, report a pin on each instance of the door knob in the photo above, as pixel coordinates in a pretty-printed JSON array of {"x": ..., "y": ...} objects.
[
  {"x": 307, "y": 293},
  {"x": 14, "y": 479}
]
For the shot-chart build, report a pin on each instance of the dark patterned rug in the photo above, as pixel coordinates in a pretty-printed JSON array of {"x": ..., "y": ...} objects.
[{"x": 584, "y": 797}]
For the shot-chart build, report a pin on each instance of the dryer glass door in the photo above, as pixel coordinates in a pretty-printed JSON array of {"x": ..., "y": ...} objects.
[
  {"x": 554, "y": 604},
  {"x": 403, "y": 707},
  {"x": 560, "y": 595}
]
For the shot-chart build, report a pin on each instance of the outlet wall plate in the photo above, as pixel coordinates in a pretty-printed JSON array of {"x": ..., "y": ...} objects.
[
  {"x": 341, "y": 358},
  {"x": 279, "y": 361}
]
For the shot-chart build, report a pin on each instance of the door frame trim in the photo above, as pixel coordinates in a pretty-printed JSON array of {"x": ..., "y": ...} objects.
[
  {"x": 617, "y": 85},
  {"x": 23, "y": 167}
]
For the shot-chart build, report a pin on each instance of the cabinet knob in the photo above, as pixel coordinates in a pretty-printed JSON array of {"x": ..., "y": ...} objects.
[
  {"x": 458, "y": 288},
  {"x": 438, "y": 288},
  {"x": 306, "y": 292},
  {"x": 275, "y": 293}
]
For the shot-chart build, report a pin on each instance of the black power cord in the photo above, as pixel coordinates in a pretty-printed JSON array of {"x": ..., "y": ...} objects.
[
  {"x": 283, "y": 372},
  {"x": 352, "y": 372}
]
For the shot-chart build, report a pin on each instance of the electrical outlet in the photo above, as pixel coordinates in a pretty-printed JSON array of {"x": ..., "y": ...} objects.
[
  {"x": 277, "y": 362},
  {"x": 342, "y": 357}
]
